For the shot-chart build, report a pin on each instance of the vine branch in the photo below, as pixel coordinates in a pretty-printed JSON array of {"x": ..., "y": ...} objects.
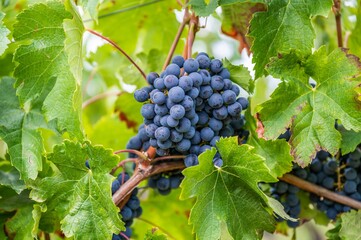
[
  {"x": 118, "y": 48},
  {"x": 320, "y": 191},
  {"x": 337, "y": 11},
  {"x": 141, "y": 173}
]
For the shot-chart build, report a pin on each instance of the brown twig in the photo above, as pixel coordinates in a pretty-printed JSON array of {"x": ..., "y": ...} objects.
[
  {"x": 99, "y": 97},
  {"x": 118, "y": 48},
  {"x": 177, "y": 37},
  {"x": 121, "y": 164},
  {"x": 136, "y": 152},
  {"x": 193, "y": 28},
  {"x": 168, "y": 157},
  {"x": 337, "y": 11},
  {"x": 140, "y": 174},
  {"x": 320, "y": 191}
]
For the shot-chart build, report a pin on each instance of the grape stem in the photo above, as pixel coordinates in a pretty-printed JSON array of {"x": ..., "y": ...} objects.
[
  {"x": 157, "y": 226},
  {"x": 320, "y": 191},
  {"x": 143, "y": 171},
  {"x": 191, "y": 34},
  {"x": 121, "y": 164},
  {"x": 168, "y": 157},
  {"x": 185, "y": 21},
  {"x": 119, "y": 49},
  {"x": 337, "y": 11},
  {"x": 138, "y": 153}
]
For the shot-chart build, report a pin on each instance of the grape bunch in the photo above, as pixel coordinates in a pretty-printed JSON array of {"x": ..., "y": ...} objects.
[
  {"x": 188, "y": 108},
  {"x": 165, "y": 182},
  {"x": 342, "y": 176},
  {"x": 130, "y": 210}
]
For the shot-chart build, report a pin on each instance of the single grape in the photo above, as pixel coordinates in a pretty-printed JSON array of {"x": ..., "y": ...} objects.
[
  {"x": 244, "y": 102},
  {"x": 203, "y": 118},
  {"x": 183, "y": 145},
  {"x": 193, "y": 93},
  {"x": 175, "y": 136},
  {"x": 207, "y": 134},
  {"x": 171, "y": 81},
  {"x": 133, "y": 203},
  {"x": 126, "y": 213},
  {"x": 216, "y": 100},
  {"x": 190, "y": 65},
  {"x": 218, "y": 162},
  {"x": 235, "y": 89},
  {"x": 141, "y": 95},
  {"x": 162, "y": 133},
  {"x": 172, "y": 122},
  {"x": 204, "y": 148},
  {"x": 184, "y": 125},
  {"x": 220, "y": 113},
  {"x": 164, "y": 144},
  {"x": 224, "y": 73},
  {"x": 159, "y": 84},
  {"x": 229, "y": 97},
  {"x": 173, "y": 69},
  {"x": 189, "y": 134},
  {"x": 187, "y": 103},
  {"x": 204, "y": 61},
  {"x": 205, "y": 92},
  {"x": 234, "y": 109},
  {"x": 215, "y": 124},
  {"x": 177, "y": 111},
  {"x": 179, "y": 60},
  {"x": 350, "y": 174},
  {"x": 175, "y": 181},
  {"x": 196, "y": 78},
  {"x": 151, "y": 77},
  {"x": 161, "y": 110},
  {"x": 176, "y": 94},
  {"x": 147, "y": 111},
  {"x": 328, "y": 182},
  {"x": 196, "y": 139},
  {"x": 115, "y": 186},
  {"x": 186, "y": 83},
  {"x": 214, "y": 140},
  {"x": 206, "y": 77},
  {"x": 350, "y": 187},
  {"x": 216, "y": 65},
  {"x": 191, "y": 160},
  {"x": 217, "y": 83}
]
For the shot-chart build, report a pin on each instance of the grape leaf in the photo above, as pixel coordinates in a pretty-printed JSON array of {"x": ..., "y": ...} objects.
[
  {"x": 10, "y": 177},
  {"x": 23, "y": 224},
  {"x": 91, "y": 7},
  {"x": 4, "y": 41},
  {"x": 44, "y": 75},
  {"x": 351, "y": 225},
  {"x": 240, "y": 75},
  {"x": 3, "y": 218},
  {"x": 205, "y": 8},
  {"x": 275, "y": 152},
  {"x": 18, "y": 128},
  {"x": 129, "y": 111},
  {"x": 76, "y": 194},
  {"x": 285, "y": 26},
  {"x": 311, "y": 112},
  {"x": 236, "y": 19},
  {"x": 355, "y": 36},
  {"x": 229, "y": 195},
  {"x": 10, "y": 200},
  {"x": 350, "y": 140}
]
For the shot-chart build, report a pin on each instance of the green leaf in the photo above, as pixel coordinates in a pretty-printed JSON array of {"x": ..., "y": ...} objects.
[
  {"x": 91, "y": 6},
  {"x": 11, "y": 201},
  {"x": 240, "y": 75},
  {"x": 44, "y": 75},
  {"x": 285, "y": 26},
  {"x": 351, "y": 225},
  {"x": 3, "y": 218},
  {"x": 76, "y": 194},
  {"x": 18, "y": 128},
  {"x": 311, "y": 112},
  {"x": 204, "y": 8},
  {"x": 236, "y": 19},
  {"x": 355, "y": 36},
  {"x": 229, "y": 195},
  {"x": 350, "y": 140},
  {"x": 334, "y": 233},
  {"x": 173, "y": 222},
  {"x": 23, "y": 224},
  {"x": 10, "y": 177},
  {"x": 275, "y": 152},
  {"x": 4, "y": 41}
]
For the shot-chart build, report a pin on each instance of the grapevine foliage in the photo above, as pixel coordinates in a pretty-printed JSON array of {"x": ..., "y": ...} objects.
[{"x": 206, "y": 149}]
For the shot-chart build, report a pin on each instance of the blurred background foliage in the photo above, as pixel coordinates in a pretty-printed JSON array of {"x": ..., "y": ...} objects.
[{"x": 145, "y": 29}]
